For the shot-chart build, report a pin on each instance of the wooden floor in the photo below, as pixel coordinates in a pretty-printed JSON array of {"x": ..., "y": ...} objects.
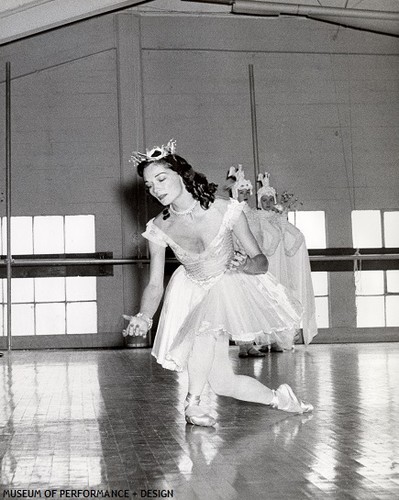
[{"x": 110, "y": 421}]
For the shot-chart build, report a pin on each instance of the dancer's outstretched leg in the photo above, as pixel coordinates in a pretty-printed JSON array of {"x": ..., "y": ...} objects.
[
  {"x": 199, "y": 365},
  {"x": 225, "y": 382}
]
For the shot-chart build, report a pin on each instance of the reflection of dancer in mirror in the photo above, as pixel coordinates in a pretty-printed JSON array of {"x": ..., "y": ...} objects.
[{"x": 215, "y": 295}]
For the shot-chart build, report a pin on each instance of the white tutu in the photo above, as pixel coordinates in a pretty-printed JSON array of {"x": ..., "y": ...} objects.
[
  {"x": 285, "y": 247},
  {"x": 244, "y": 307}
]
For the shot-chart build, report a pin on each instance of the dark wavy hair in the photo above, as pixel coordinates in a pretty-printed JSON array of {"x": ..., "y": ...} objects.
[{"x": 196, "y": 184}]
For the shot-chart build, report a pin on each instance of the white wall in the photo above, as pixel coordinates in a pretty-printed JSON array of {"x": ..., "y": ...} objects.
[
  {"x": 327, "y": 112},
  {"x": 86, "y": 95}
]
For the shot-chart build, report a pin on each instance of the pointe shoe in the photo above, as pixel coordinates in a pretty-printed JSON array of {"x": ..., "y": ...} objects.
[
  {"x": 194, "y": 414},
  {"x": 274, "y": 347},
  {"x": 251, "y": 353},
  {"x": 254, "y": 353},
  {"x": 285, "y": 399}
]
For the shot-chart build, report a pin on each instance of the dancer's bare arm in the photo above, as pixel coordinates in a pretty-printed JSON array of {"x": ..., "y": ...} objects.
[
  {"x": 257, "y": 262},
  {"x": 152, "y": 294}
]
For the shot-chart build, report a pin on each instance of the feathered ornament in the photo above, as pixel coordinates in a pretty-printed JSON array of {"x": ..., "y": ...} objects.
[
  {"x": 154, "y": 154},
  {"x": 266, "y": 188},
  {"x": 240, "y": 182}
]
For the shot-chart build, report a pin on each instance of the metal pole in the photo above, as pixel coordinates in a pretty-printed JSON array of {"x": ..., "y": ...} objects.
[
  {"x": 171, "y": 260},
  {"x": 254, "y": 129},
  {"x": 8, "y": 199},
  {"x": 266, "y": 8}
]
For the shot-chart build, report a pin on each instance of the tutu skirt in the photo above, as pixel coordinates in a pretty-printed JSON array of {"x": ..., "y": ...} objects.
[{"x": 247, "y": 308}]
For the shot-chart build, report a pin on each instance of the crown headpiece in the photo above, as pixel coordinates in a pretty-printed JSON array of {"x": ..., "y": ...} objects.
[
  {"x": 240, "y": 183},
  {"x": 154, "y": 154},
  {"x": 266, "y": 188}
]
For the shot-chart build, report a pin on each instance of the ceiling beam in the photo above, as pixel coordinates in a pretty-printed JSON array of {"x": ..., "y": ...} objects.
[
  {"x": 377, "y": 21},
  {"x": 39, "y": 16},
  {"x": 265, "y": 8}
]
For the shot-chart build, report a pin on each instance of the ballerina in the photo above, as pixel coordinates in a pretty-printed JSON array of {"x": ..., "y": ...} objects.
[
  {"x": 282, "y": 243},
  {"x": 292, "y": 268},
  {"x": 269, "y": 238},
  {"x": 215, "y": 295}
]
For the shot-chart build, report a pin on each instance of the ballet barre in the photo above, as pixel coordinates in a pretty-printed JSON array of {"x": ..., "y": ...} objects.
[
  {"x": 132, "y": 260},
  {"x": 379, "y": 256}
]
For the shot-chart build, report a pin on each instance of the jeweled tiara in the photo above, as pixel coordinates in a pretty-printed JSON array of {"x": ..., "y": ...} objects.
[{"x": 154, "y": 154}]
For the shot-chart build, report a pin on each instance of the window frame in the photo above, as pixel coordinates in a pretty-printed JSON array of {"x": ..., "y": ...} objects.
[{"x": 385, "y": 293}]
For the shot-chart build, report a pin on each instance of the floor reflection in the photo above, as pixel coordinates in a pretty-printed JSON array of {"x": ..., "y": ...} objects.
[
  {"x": 113, "y": 419},
  {"x": 239, "y": 460},
  {"x": 49, "y": 421}
]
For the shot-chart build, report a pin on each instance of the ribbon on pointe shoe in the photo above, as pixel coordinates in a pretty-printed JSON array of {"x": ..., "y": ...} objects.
[
  {"x": 194, "y": 414},
  {"x": 285, "y": 399}
]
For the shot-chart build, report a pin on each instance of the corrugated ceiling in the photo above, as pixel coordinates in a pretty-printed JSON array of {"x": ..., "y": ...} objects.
[{"x": 21, "y": 18}]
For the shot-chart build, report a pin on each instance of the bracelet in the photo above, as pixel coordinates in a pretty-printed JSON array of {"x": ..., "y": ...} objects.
[{"x": 148, "y": 320}]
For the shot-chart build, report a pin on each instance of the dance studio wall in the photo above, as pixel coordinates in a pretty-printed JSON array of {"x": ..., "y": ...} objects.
[
  {"x": 86, "y": 95},
  {"x": 327, "y": 113},
  {"x": 66, "y": 153}
]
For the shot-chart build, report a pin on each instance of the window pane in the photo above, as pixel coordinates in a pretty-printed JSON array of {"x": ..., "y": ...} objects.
[
  {"x": 79, "y": 233},
  {"x": 392, "y": 304},
  {"x": 369, "y": 283},
  {"x": 392, "y": 281},
  {"x": 21, "y": 236},
  {"x": 2, "y": 319},
  {"x": 82, "y": 317},
  {"x": 322, "y": 312},
  {"x": 313, "y": 226},
  {"x": 391, "y": 229},
  {"x": 40, "y": 303},
  {"x": 81, "y": 288},
  {"x": 50, "y": 319},
  {"x": 3, "y": 236},
  {"x": 49, "y": 289},
  {"x": 22, "y": 319},
  {"x": 320, "y": 282},
  {"x": 370, "y": 311},
  {"x": 48, "y": 234},
  {"x": 21, "y": 290},
  {"x": 366, "y": 229}
]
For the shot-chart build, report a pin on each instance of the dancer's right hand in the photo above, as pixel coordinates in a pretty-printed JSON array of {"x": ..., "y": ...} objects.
[
  {"x": 238, "y": 262},
  {"x": 137, "y": 327}
]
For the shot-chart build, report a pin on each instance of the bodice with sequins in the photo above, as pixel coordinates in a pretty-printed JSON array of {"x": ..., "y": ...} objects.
[{"x": 209, "y": 265}]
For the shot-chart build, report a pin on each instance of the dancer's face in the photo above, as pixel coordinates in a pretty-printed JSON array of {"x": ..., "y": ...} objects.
[
  {"x": 243, "y": 194},
  {"x": 163, "y": 183},
  {"x": 267, "y": 202}
]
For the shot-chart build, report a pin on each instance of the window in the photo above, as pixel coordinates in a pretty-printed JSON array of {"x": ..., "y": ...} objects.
[
  {"x": 320, "y": 288},
  {"x": 366, "y": 229},
  {"x": 313, "y": 226},
  {"x": 377, "y": 298},
  {"x": 377, "y": 292},
  {"x": 391, "y": 233},
  {"x": 50, "y": 306}
]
